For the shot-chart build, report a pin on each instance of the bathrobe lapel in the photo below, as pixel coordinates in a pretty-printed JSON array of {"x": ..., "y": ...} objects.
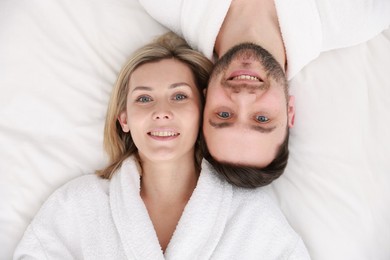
[
  {"x": 203, "y": 221},
  {"x": 130, "y": 215},
  {"x": 198, "y": 231}
]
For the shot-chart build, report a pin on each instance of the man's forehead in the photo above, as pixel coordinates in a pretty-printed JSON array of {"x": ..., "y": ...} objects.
[{"x": 243, "y": 149}]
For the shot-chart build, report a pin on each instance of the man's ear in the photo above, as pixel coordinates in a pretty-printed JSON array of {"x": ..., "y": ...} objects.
[
  {"x": 291, "y": 111},
  {"x": 122, "y": 118}
]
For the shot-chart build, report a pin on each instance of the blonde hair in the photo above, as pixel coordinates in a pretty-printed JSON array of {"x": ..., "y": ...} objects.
[{"x": 119, "y": 145}]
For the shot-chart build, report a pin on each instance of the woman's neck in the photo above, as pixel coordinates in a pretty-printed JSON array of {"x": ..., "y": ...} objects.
[
  {"x": 166, "y": 188},
  {"x": 252, "y": 21},
  {"x": 170, "y": 182}
]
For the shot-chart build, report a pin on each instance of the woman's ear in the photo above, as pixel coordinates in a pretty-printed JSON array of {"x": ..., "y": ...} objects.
[
  {"x": 291, "y": 111},
  {"x": 122, "y": 118},
  {"x": 204, "y": 92}
]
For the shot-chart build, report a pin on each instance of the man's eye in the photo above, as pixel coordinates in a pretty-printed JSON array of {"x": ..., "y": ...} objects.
[
  {"x": 179, "y": 97},
  {"x": 262, "y": 119},
  {"x": 224, "y": 115},
  {"x": 144, "y": 99}
]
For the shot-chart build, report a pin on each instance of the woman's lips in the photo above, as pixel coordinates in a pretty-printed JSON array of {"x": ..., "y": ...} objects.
[{"x": 163, "y": 134}]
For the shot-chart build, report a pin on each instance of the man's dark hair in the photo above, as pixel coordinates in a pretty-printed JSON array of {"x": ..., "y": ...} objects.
[{"x": 249, "y": 176}]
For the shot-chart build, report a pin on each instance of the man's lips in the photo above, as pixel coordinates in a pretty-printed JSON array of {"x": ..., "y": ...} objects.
[{"x": 245, "y": 75}]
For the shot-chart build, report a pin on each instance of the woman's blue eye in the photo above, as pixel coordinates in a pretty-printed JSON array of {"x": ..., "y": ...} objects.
[
  {"x": 224, "y": 115},
  {"x": 262, "y": 119},
  {"x": 144, "y": 99},
  {"x": 179, "y": 97}
]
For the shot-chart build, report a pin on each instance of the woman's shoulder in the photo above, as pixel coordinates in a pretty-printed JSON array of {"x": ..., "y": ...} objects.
[
  {"x": 259, "y": 208},
  {"x": 256, "y": 197},
  {"x": 261, "y": 203},
  {"x": 78, "y": 192},
  {"x": 62, "y": 217},
  {"x": 70, "y": 203},
  {"x": 84, "y": 186}
]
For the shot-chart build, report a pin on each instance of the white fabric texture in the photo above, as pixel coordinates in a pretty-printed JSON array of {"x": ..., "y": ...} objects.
[
  {"x": 197, "y": 21},
  {"x": 59, "y": 61},
  {"x": 92, "y": 218},
  {"x": 308, "y": 27},
  {"x": 335, "y": 189}
]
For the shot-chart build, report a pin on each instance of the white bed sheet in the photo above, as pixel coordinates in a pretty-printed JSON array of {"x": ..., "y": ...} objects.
[
  {"x": 335, "y": 191},
  {"x": 59, "y": 60}
]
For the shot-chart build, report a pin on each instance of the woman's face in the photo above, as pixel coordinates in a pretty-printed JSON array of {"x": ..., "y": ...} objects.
[{"x": 163, "y": 110}]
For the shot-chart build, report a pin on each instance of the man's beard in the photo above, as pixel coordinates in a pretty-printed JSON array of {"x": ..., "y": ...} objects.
[{"x": 252, "y": 51}]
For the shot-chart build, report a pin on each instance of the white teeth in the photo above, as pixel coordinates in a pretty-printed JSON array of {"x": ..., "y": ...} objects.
[
  {"x": 163, "y": 133},
  {"x": 246, "y": 77}
]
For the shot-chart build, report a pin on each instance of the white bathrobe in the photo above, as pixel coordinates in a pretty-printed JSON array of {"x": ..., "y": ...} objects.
[
  {"x": 92, "y": 218},
  {"x": 308, "y": 27}
]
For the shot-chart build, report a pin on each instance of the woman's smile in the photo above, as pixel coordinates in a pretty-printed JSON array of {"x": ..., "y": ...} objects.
[{"x": 163, "y": 134}]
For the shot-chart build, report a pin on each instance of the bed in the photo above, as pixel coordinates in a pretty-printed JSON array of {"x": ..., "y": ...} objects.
[{"x": 59, "y": 60}]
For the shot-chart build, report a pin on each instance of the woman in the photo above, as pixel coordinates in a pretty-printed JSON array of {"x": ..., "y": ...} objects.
[{"x": 156, "y": 199}]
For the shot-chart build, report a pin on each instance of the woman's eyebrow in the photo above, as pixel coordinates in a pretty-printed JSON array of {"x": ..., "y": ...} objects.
[
  {"x": 175, "y": 85},
  {"x": 179, "y": 84},
  {"x": 142, "y": 88}
]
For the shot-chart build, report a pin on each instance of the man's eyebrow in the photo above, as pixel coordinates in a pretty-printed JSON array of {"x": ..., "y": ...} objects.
[
  {"x": 257, "y": 128},
  {"x": 262, "y": 129},
  {"x": 220, "y": 125}
]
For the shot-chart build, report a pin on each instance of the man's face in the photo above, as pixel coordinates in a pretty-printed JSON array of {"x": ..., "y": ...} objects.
[{"x": 247, "y": 109}]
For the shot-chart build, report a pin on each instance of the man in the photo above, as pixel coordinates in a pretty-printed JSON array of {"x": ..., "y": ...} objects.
[
  {"x": 247, "y": 116},
  {"x": 248, "y": 110}
]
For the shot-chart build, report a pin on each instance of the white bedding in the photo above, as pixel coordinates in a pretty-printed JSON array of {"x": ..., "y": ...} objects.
[{"x": 59, "y": 60}]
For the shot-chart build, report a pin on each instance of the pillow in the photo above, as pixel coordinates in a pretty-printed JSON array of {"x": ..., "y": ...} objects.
[{"x": 335, "y": 189}]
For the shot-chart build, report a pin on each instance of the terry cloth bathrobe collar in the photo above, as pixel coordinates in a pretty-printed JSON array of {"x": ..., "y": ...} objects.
[{"x": 197, "y": 234}]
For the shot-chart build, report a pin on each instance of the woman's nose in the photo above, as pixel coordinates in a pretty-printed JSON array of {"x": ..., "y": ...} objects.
[{"x": 162, "y": 113}]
